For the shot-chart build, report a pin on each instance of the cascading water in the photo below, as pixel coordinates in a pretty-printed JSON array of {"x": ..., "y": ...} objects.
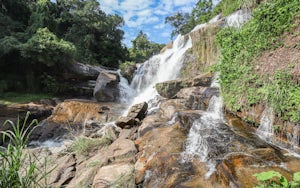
[
  {"x": 159, "y": 68},
  {"x": 238, "y": 18},
  {"x": 265, "y": 129},
  {"x": 209, "y": 137}
]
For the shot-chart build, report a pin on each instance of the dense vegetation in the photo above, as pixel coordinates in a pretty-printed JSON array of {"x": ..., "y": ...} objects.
[
  {"x": 242, "y": 86},
  {"x": 142, "y": 48},
  {"x": 39, "y": 38}
]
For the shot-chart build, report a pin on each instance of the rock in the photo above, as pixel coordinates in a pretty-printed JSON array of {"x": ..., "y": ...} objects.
[
  {"x": 168, "y": 46},
  {"x": 106, "y": 89},
  {"x": 74, "y": 117},
  {"x": 159, "y": 153},
  {"x": 84, "y": 70},
  {"x": 151, "y": 122},
  {"x": 64, "y": 172},
  {"x": 121, "y": 150},
  {"x": 107, "y": 131},
  {"x": 115, "y": 175},
  {"x": 138, "y": 111},
  {"x": 170, "y": 107},
  {"x": 126, "y": 122},
  {"x": 169, "y": 89},
  {"x": 128, "y": 72},
  {"x": 187, "y": 118},
  {"x": 198, "y": 97},
  {"x": 135, "y": 115}
]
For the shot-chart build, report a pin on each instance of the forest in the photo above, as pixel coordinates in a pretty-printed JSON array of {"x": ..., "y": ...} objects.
[{"x": 40, "y": 38}]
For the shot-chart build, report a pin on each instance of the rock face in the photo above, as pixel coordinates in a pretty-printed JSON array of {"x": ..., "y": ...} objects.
[
  {"x": 106, "y": 89},
  {"x": 170, "y": 88},
  {"x": 38, "y": 110},
  {"x": 128, "y": 72},
  {"x": 74, "y": 117},
  {"x": 135, "y": 114}
]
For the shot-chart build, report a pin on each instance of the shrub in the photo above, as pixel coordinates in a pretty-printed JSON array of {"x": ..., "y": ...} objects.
[{"x": 275, "y": 179}]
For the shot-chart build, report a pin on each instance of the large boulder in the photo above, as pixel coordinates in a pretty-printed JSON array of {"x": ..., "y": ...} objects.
[
  {"x": 128, "y": 71},
  {"x": 74, "y": 116},
  {"x": 135, "y": 114},
  {"x": 106, "y": 89},
  {"x": 169, "y": 89},
  {"x": 115, "y": 175}
]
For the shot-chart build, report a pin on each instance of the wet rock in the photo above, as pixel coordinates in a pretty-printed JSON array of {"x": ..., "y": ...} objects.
[
  {"x": 170, "y": 107},
  {"x": 158, "y": 163},
  {"x": 169, "y": 89},
  {"x": 151, "y": 122},
  {"x": 106, "y": 89},
  {"x": 187, "y": 118},
  {"x": 198, "y": 96},
  {"x": 115, "y": 175},
  {"x": 128, "y": 72}
]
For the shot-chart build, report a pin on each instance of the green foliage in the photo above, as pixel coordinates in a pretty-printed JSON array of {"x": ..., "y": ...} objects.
[
  {"x": 13, "y": 172},
  {"x": 241, "y": 87},
  {"x": 275, "y": 179},
  {"x": 44, "y": 36},
  {"x": 50, "y": 85},
  {"x": 181, "y": 22},
  {"x": 8, "y": 44},
  {"x": 46, "y": 48},
  {"x": 142, "y": 49},
  {"x": 11, "y": 97}
]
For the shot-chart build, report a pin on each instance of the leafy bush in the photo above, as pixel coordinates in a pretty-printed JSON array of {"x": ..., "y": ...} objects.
[
  {"x": 45, "y": 47},
  {"x": 13, "y": 172},
  {"x": 241, "y": 86},
  {"x": 275, "y": 179}
]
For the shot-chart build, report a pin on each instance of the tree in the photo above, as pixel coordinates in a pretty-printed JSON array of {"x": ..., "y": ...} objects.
[
  {"x": 202, "y": 12},
  {"x": 46, "y": 48},
  {"x": 143, "y": 48},
  {"x": 179, "y": 21}
]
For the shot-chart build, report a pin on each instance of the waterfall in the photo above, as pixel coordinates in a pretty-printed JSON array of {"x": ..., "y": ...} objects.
[
  {"x": 126, "y": 92},
  {"x": 159, "y": 68},
  {"x": 208, "y": 139},
  {"x": 238, "y": 18},
  {"x": 265, "y": 129}
]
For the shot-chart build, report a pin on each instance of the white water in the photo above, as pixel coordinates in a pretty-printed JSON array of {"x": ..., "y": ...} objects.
[
  {"x": 238, "y": 18},
  {"x": 265, "y": 129},
  {"x": 159, "y": 68}
]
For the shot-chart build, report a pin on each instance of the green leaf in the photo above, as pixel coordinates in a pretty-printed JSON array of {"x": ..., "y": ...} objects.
[
  {"x": 264, "y": 176},
  {"x": 296, "y": 176},
  {"x": 284, "y": 181}
]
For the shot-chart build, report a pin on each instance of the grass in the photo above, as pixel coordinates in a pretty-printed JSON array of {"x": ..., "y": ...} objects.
[
  {"x": 12, "y": 97},
  {"x": 83, "y": 145},
  {"x": 19, "y": 169}
]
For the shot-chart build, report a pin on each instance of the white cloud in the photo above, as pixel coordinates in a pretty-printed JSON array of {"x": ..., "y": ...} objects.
[
  {"x": 160, "y": 26},
  {"x": 146, "y": 15}
]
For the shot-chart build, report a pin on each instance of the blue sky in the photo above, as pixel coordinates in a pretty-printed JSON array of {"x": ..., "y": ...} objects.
[{"x": 146, "y": 15}]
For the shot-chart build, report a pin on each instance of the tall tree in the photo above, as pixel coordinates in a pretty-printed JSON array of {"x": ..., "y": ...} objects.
[{"x": 143, "y": 48}]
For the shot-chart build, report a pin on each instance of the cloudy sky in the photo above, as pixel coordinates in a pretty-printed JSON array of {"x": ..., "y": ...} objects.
[{"x": 146, "y": 15}]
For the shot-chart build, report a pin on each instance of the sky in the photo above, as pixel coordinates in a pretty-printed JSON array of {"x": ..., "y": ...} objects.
[{"x": 146, "y": 15}]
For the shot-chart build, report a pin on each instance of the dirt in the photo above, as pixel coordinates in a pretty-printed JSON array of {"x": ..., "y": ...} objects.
[{"x": 286, "y": 57}]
